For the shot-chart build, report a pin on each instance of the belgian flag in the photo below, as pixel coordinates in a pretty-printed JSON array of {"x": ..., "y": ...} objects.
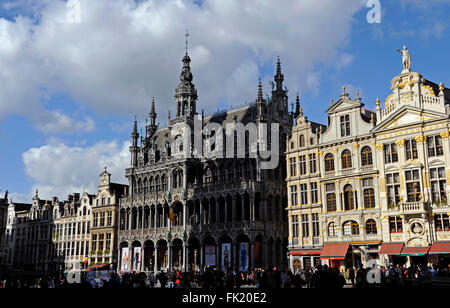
[{"x": 171, "y": 214}]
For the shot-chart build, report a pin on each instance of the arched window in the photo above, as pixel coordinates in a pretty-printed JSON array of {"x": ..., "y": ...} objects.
[
  {"x": 346, "y": 158},
  {"x": 157, "y": 184},
  {"x": 208, "y": 176},
  {"x": 371, "y": 227},
  {"x": 301, "y": 142},
  {"x": 332, "y": 230},
  {"x": 151, "y": 185},
  {"x": 349, "y": 202},
  {"x": 292, "y": 145},
  {"x": 351, "y": 228},
  {"x": 329, "y": 163},
  {"x": 164, "y": 183},
  {"x": 311, "y": 141},
  {"x": 366, "y": 157}
]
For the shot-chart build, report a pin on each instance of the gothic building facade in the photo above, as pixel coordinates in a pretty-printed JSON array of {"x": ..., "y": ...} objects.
[{"x": 189, "y": 208}]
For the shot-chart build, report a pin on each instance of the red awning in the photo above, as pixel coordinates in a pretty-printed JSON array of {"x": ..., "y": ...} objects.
[
  {"x": 391, "y": 249},
  {"x": 305, "y": 253},
  {"x": 414, "y": 251},
  {"x": 334, "y": 251},
  {"x": 440, "y": 248}
]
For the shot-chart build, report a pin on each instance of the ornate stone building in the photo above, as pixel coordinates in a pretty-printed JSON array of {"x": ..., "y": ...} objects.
[
  {"x": 27, "y": 242},
  {"x": 372, "y": 185},
  {"x": 3, "y": 220},
  {"x": 104, "y": 222},
  {"x": 71, "y": 233},
  {"x": 197, "y": 210}
]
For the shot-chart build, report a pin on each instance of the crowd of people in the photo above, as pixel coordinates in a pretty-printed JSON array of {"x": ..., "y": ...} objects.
[{"x": 321, "y": 276}]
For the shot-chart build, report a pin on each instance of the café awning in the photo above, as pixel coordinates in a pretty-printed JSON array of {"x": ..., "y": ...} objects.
[
  {"x": 305, "y": 252},
  {"x": 414, "y": 251},
  {"x": 334, "y": 251},
  {"x": 440, "y": 248},
  {"x": 393, "y": 249}
]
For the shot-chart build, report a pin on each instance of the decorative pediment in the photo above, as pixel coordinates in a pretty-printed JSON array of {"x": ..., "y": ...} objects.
[
  {"x": 436, "y": 162},
  {"x": 408, "y": 115},
  {"x": 391, "y": 168},
  {"x": 344, "y": 104},
  {"x": 412, "y": 163}
]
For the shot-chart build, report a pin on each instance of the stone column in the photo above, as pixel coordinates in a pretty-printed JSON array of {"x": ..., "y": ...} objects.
[
  {"x": 169, "y": 256},
  {"x": 251, "y": 264},
  {"x": 235, "y": 256},
  {"x": 155, "y": 263},
  {"x": 339, "y": 194},
  {"x": 233, "y": 209},
  {"x": 202, "y": 258}
]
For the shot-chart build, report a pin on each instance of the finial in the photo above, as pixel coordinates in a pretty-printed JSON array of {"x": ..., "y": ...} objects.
[
  {"x": 378, "y": 103},
  {"x": 187, "y": 42},
  {"x": 343, "y": 91},
  {"x": 37, "y": 193},
  {"x": 357, "y": 95},
  {"x": 441, "y": 87},
  {"x": 332, "y": 102},
  {"x": 260, "y": 91},
  {"x": 105, "y": 169}
]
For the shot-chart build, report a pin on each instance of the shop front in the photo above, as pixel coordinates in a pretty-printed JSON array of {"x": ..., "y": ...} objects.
[
  {"x": 390, "y": 254},
  {"x": 304, "y": 259},
  {"x": 416, "y": 255},
  {"x": 440, "y": 253},
  {"x": 335, "y": 254}
]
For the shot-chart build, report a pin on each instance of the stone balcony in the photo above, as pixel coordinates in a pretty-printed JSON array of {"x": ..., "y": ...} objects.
[{"x": 409, "y": 208}]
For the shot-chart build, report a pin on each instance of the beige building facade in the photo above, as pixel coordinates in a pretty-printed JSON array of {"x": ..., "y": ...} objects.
[{"x": 372, "y": 185}]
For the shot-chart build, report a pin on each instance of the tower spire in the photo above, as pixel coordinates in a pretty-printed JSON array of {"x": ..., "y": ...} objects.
[
  {"x": 279, "y": 77},
  {"x": 153, "y": 114},
  {"x": 298, "y": 108},
  {"x": 187, "y": 42},
  {"x": 260, "y": 91}
]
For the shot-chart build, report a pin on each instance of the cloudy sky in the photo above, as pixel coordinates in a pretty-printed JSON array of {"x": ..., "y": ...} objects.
[{"x": 69, "y": 90}]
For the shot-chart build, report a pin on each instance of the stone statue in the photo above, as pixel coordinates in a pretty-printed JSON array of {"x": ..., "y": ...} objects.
[{"x": 406, "y": 59}]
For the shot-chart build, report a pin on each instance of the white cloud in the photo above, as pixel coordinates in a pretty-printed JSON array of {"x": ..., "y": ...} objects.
[
  {"x": 57, "y": 122},
  {"x": 58, "y": 169},
  {"x": 124, "y": 52},
  {"x": 344, "y": 60}
]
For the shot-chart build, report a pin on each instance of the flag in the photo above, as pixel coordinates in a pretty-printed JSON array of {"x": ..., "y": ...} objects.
[{"x": 171, "y": 214}]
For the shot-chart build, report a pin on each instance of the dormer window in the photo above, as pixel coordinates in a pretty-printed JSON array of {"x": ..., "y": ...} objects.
[{"x": 345, "y": 125}]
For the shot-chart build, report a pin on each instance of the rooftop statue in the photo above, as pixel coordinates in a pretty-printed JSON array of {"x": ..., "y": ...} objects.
[{"x": 406, "y": 59}]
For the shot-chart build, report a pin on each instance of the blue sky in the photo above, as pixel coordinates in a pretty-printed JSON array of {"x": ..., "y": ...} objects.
[{"x": 69, "y": 91}]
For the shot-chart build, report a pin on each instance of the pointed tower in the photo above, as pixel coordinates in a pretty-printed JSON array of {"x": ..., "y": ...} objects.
[
  {"x": 186, "y": 93},
  {"x": 279, "y": 95},
  {"x": 134, "y": 144},
  {"x": 298, "y": 108},
  {"x": 260, "y": 104},
  {"x": 151, "y": 129}
]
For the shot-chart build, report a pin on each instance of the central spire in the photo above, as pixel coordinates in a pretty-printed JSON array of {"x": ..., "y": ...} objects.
[
  {"x": 186, "y": 93},
  {"x": 279, "y": 77}
]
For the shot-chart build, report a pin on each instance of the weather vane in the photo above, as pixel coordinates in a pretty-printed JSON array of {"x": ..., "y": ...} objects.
[{"x": 187, "y": 35}]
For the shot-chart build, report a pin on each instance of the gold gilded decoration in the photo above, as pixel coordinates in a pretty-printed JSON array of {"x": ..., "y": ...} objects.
[
  {"x": 430, "y": 90},
  {"x": 445, "y": 135},
  {"x": 336, "y": 150},
  {"x": 400, "y": 142},
  {"x": 441, "y": 87},
  {"x": 421, "y": 139},
  {"x": 380, "y": 146},
  {"x": 378, "y": 103},
  {"x": 356, "y": 146}
]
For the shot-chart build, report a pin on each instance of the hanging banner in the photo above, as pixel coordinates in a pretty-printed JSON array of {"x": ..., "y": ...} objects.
[
  {"x": 226, "y": 256},
  {"x": 243, "y": 257},
  {"x": 210, "y": 255},
  {"x": 125, "y": 260},
  {"x": 137, "y": 259}
]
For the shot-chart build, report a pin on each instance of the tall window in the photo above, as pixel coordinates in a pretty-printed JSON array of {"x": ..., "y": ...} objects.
[
  {"x": 435, "y": 146},
  {"x": 346, "y": 158},
  {"x": 293, "y": 166},
  {"x": 371, "y": 227},
  {"x": 108, "y": 241},
  {"x": 94, "y": 242},
  {"x": 411, "y": 149},
  {"x": 349, "y": 199},
  {"x": 413, "y": 185},
  {"x": 332, "y": 230},
  {"x": 390, "y": 153},
  {"x": 95, "y": 220},
  {"x": 294, "y": 198},
  {"x": 314, "y": 193},
  {"x": 393, "y": 188},
  {"x": 295, "y": 226},
  {"x": 109, "y": 218},
  {"x": 301, "y": 141},
  {"x": 441, "y": 222},
  {"x": 303, "y": 194},
  {"x": 331, "y": 197},
  {"x": 438, "y": 184},
  {"x": 158, "y": 184},
  {"x": 101, "y": 238},
  {"x": 366, "y": 157},
  {"x": 302, "y": 164},
  {"x": 345, "y": 126},
  {"x": 102, "y": 219},
  {"x": 305, "y": 225},
  {"x": 312, "y": 163},
  {"x": 315, "y": 224},
  {"x": 164, "y": 182},
  {"x": 395, "y": 224},
  {"x": 329, "y": 163},
  {"x": 369, "y": 193}
]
